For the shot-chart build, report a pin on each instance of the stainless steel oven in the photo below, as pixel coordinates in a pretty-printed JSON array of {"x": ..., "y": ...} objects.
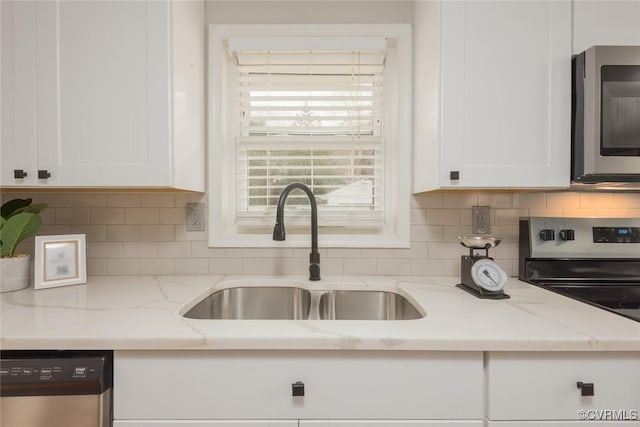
[
  {"x": 56, "y": 388},
  {"x": 606, "y": 115},
  {"x": 593, "y": 260}
]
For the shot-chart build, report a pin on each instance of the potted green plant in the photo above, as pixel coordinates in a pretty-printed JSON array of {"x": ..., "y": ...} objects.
[{"x": 20, "y": 219}]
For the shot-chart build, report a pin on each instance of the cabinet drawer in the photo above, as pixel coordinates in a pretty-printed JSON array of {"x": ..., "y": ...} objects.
[
  {"x": 543, "y": 386},
  {"x": 258, "y": 385}
]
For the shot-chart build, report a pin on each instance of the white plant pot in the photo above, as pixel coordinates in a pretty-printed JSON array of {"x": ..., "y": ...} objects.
[{"x": 15, "y": 272}]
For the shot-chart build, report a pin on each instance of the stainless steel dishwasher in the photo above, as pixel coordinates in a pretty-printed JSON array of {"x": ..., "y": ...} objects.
[{"x": 56, "y": 388}]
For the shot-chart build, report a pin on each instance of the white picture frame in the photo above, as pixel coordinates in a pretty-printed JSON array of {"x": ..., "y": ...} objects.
[{"x": 60, "y": 261}]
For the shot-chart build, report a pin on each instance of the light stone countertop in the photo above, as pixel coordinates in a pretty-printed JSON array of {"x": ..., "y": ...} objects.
[{"x": 143, "y": 312}]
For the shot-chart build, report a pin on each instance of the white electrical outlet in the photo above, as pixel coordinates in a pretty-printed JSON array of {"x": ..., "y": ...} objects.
[
  {"x": 481, "y": 219},
  {"x": 195, "y": 217}
]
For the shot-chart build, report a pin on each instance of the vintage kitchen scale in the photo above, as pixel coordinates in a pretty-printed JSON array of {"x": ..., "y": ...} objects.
[{"x": 480, "y": 275}]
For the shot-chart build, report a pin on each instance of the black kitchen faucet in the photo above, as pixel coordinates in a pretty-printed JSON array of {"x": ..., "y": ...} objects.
[{"x": 279, "y": 233}]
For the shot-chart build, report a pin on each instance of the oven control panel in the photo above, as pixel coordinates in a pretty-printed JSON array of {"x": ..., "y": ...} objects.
[
  {"x": 616, "y": 234},
  {"x": 560, "y": 237}
]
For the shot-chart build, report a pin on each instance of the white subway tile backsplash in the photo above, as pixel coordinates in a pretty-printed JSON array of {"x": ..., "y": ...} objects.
[
  {"x": 445, "y": 250},
  {"x": 123, "y": 267},
  {"x": 418, "y": 216},
  {"x": 107, "y": 215},
  {"x": 394, "y": 266},
  {"x": 123, "y": 233},
  {"x": 123, "y": 200},
  {"x": 201, "y": 249},
  {"x": 72, "y": 216},
  {"x": 429, "y": 200},
  {"x": 93, "y": 233},
  {"x": 174, "y": 250},
  {"x": 443, "y": 216},
  {"x": 105, "y": 250},
  {"x": 579, "y": 213},
  {"x": 343, "y": 253},
  {"x": 529, "y": 200},
  {"x": 596, "y": 200},
  {"x": 53, "y": 200},
  {"x": 157, "y": 233},
  {"x": 157, "y": 266},
  {"x": 427, "y": 233},
  {"x": 192, "y": 266},
  {"x": 626, "y": 200},
  {"x": 225, "y": 266},
  {"x": 157, "y": 200},
  {"x": 417, "y": 250},
  {"x": 191, "y": 236},
  {"x": 145, "y": 233},
  {"x": 508, "y": 216},
  {"x": 360, "y": 266},
  {"x": 563, "y": 200},
  {"x": 175, "y": 216},
  {"x": 140, "y": 250},
  {"x": 429, "y": 267},
  {"x": 141, "y": 215},
  {"x": 96, "y": 267},
  {"x": 89, "y": 200},
  {"x": 456, "y": 199},
  {"x": 496, "y": 200}
]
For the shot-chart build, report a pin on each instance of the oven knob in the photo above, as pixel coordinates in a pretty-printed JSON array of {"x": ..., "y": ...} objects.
[
  {"x": 567, "y": 234},
  {"x": 547, "y": 234}
]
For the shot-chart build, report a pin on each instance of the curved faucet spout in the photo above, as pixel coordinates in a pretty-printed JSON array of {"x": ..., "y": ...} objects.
[{"x": 279, "y": 231}]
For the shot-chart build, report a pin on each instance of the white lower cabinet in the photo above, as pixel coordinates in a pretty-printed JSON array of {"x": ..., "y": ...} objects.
[
  {"x": 158, "y": 388},
  {"x": 295, "y": 423},
  {"x": 203, "y": 423},
  {"x": 542, "y": 389},
  {"x": 388, "y": 423},
  {"x": 554, "y": 424}
]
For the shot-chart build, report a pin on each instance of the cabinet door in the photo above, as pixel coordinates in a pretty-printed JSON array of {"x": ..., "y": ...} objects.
[
  {"x": 204, "y": 423},
  {"x": 389, "y": 423},
  {"x": 335, "y": 384},
  {"x": 18, "y": 92},
  {"x": 505, "y": 69},
  {"x": 605, "y": 23},
  {"x": 544, "y": 386},
  {"x": 103, "y": 92},
  {"x": 558, "y": 424}
]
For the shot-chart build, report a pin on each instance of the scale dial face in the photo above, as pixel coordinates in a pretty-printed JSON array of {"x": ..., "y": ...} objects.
[{"x": 488, "y": 275}]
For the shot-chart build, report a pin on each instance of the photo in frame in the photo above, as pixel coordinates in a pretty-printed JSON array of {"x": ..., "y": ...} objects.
[{"x": 60, "y": 261}]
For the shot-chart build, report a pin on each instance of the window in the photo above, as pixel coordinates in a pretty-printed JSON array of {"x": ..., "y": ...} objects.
[{"x": 328, "y": 106}]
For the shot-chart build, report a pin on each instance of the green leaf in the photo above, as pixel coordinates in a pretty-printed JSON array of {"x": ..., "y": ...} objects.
[
  {"x": 12, "y": 205},
  {"x": 37, "y": 208},
  {"x": 16, "y": 229}
]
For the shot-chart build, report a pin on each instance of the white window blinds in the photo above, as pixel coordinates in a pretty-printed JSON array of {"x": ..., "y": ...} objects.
[{"x": 313, "y": 117}]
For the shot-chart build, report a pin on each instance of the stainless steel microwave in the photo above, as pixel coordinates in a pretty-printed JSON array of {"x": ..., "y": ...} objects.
[{"x": 605, "y": 131}]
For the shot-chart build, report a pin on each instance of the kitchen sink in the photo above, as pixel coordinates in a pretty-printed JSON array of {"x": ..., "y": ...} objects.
[
  {"x": 366, "y": 305},
  {"x": 294, "y": 303},
  {"x": 264, "y": 302}
]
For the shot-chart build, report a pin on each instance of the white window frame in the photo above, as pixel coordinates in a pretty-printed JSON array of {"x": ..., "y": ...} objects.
[{"x": 222, "y": 229}]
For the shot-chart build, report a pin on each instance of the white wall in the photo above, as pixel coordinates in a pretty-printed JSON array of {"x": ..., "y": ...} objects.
[{"x": 309, "y": 12}]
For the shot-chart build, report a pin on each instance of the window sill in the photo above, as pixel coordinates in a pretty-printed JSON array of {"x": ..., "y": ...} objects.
[{"x": 372, "y": 241}]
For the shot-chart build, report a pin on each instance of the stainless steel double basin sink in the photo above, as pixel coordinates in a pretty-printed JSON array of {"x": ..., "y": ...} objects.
[{"x": 295, "y": 303}]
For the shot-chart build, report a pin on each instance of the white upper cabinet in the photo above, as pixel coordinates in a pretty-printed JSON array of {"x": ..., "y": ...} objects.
[
  {"x": 105, "y": 94},
  {"x": 503, "y": 95},
  {"x": 605, "y": 23}
]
